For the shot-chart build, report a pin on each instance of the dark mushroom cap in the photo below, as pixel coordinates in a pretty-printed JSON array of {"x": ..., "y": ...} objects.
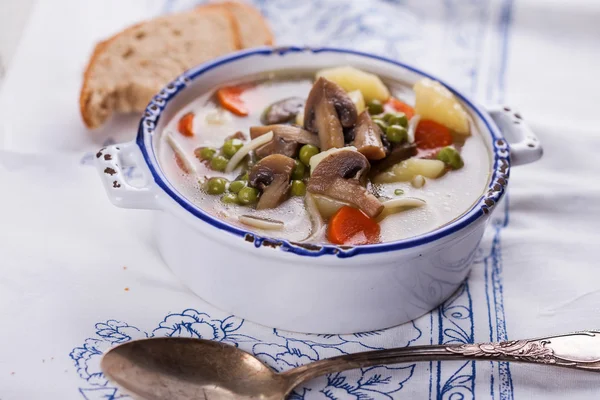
[
  {"x": 398, "y": 153},
  {"x": 282, "y": 111},
  {"x": 328, "y": 110},
  {"x": 341, "y": 176},
  {"x": 367, "y": 137},
  {"x": 271, "y": 176}
]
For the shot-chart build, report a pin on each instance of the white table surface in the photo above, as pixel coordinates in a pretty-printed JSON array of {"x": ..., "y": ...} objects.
[{"x": 13, "y": 19}]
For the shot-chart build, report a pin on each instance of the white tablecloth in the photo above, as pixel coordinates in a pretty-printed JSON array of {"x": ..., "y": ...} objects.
[{"x": 78, "y": 275}]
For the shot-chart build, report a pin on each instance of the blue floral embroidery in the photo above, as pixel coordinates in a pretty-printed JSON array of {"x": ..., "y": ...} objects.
[
  {"x": 280, "y": 350},
  {"x": 189, "y": 323},
  {"x": 373, "y": 383},
  {"x": 370, "y": 383},
  {"x": 193, "y": 324},
  {"x": 371, "y": 340},
  {"x": 108, "y": 334}
]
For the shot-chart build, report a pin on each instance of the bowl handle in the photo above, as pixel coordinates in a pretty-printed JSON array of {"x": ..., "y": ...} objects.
[
  {"x": 120, "y": 192},
  {"x": 525, "y": 147}
]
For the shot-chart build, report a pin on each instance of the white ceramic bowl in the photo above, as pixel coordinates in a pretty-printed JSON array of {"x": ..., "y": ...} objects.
[{"x": 316, "y": 289}]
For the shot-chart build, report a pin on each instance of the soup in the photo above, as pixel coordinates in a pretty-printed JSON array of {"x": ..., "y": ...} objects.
[{"x": 337, "y": 157}]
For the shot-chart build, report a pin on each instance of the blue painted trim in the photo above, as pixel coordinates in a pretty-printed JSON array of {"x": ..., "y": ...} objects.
[
  {"x": 440, "y": 341},
  {"x": 430, "y": 362},
  {"x": 495, "y": 298},
  {"x": 159, "y": 102},
  {"x": 505, "y": 384}
]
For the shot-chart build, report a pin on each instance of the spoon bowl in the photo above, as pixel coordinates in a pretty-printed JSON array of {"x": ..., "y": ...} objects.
[{"x": 185, "y": 368}]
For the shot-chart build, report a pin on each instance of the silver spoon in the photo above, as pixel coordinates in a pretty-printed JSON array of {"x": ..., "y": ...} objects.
[{"x": 184, "y": 368}]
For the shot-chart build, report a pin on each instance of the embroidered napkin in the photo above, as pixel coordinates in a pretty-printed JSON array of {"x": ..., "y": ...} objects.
[{"x": 78, "y": 275}]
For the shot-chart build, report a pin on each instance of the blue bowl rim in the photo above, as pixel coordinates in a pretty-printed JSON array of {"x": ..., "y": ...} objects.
[{"x": 482, "y": 207}]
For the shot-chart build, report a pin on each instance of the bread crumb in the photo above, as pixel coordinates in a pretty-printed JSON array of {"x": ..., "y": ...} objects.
[
  {"x": 124, "y": 267},
  {"x": 127, "y": 289}
]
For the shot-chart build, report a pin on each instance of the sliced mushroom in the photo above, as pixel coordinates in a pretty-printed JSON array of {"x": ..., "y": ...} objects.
[
  {"x": 282, "y": 111},
  {"x": 286, "y": 139},
  {"x": 278, "y": 146},
  {"x": 316, "y": 218},
  {"x": 271, "y": 176},
  {"x": 341, "y": 176},
  {"x": 238, "y": 135},
  {"x": 288, "y": 132},
  {"x": 328, "y": 110},
  {"x": 398, "y": 154},
  {"x": 367, "y": 137}
]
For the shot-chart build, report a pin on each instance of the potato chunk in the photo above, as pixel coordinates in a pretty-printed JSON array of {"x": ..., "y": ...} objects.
[
  {"x": 435, "y": 102},
  {"x": 408, "y": 169},
  {"x": 358, "y": 100},
  {"x": 351, "y": 79}
]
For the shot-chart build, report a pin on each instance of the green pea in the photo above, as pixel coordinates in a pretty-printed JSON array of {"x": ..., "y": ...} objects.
[
  {"x": 216, "y": 186},
  {"x": 219, "y": 163},
  {"x": 398, "y": 119},
  {"x": 236, "y": 186},
  {"x": 299, "y": 170},
  {"x": 306, "y": 153},
  {"x": 298, "y": 188},
  {"x": 231, "y": 147},
  {"x": 451, "y": 157},
  {"x": 381, "y": 123},
  {"x": 398, "y": 192},
  {"x": 205, "y": 153},
  {"x": 375, "y": 107},
  {"x": 230, "y": 198},
  {"x": 248, "y": 195},
  {"x": 396, "y": 133}
]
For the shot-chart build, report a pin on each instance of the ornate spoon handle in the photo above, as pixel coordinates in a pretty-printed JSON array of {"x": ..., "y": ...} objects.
[{"x": 579, "y": 350}]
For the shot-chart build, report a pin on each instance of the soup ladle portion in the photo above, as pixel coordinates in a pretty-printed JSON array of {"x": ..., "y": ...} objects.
[{"x": 185, "y": 368}]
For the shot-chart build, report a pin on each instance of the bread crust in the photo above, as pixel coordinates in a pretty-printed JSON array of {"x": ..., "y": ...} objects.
[
  {"x": 252, "y": 10},
  {"x": 232, "y": 20}
]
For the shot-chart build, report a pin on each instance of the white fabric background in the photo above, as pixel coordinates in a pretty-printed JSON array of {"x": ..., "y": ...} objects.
[{"x": 63, "y": 247}]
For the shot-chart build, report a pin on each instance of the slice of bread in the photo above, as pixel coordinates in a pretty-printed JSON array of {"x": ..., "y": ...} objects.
[
  {"x": 126, "y": 70},
  {"x": 254, "y": 31}
]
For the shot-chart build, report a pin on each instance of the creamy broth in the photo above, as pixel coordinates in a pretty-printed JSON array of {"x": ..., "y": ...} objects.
[{"x": 446, "y": 197}]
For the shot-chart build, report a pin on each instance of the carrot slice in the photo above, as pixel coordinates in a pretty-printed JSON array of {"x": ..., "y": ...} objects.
[
  {"x": 350, "y": 226},
  {"x": 401, "y": 107},
  {"x": 229, "y": 98},
  {"x": 431, "y": 135},
  {"x": 185, "y": 126}
]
